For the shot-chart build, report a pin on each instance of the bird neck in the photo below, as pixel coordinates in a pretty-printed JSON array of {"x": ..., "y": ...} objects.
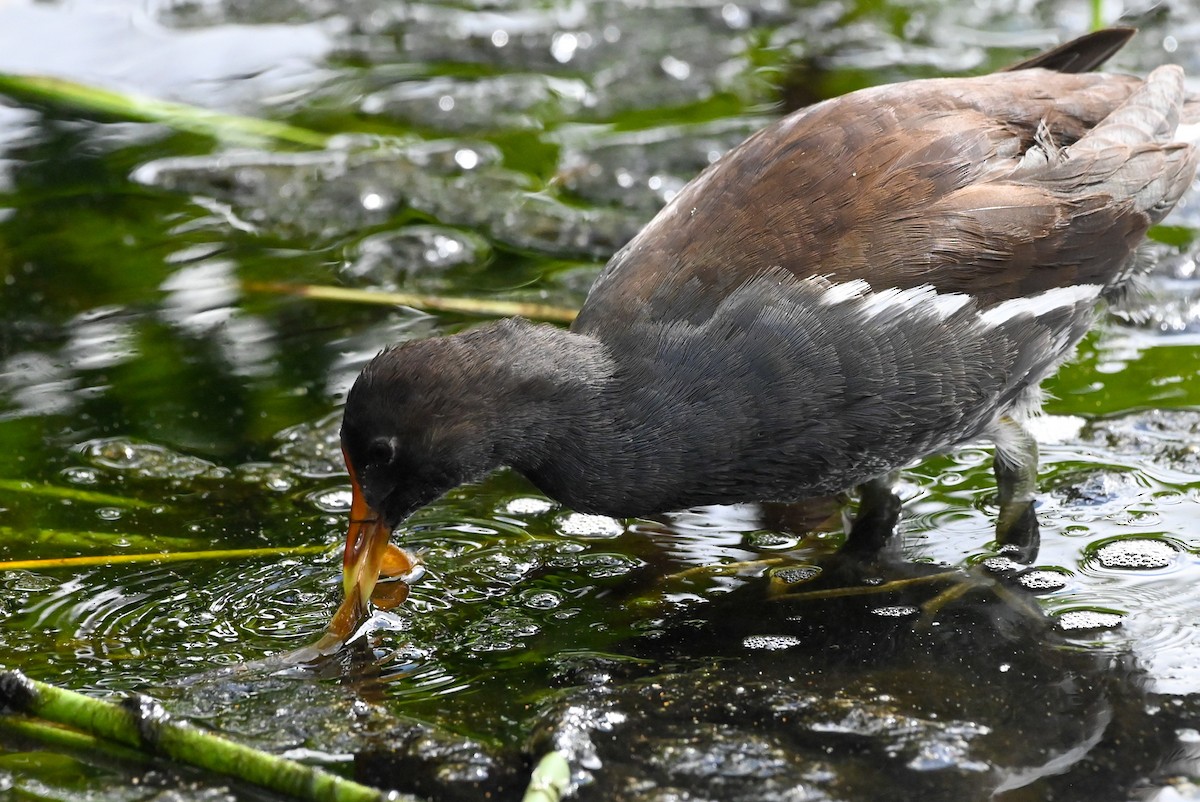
[
  {"x": 555, "y": 404},
  {"x": 559, "y": 411}
]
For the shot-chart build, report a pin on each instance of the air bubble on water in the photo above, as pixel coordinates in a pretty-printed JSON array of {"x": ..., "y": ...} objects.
[
  {"x": 331, "y": 499},
  {"x": 81, "y": 476},
  {"x": 1082, "y": 620},
  {"x": 527, "y": 505},
  {"x": 1043, "y": 580},
  {"x": 796, "y": 574},
  {"x": 586, "y": 525},
  {"x": 771, "y": 643},
  {"x": 1136, "y": 554},
  {"x": 897, "y": 611}
]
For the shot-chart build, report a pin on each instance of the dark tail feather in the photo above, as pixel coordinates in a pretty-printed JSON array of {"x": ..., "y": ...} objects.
[{"x": 1079, "y": 55}]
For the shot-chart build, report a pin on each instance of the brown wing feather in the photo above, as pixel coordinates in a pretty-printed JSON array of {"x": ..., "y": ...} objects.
[{"x": 955, "y": 183}]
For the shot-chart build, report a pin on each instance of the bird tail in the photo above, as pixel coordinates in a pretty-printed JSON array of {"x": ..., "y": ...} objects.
[{"x": 1153, "y": 166}]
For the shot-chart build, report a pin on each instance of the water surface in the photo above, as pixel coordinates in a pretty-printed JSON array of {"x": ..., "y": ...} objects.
[{"x": 506, "y": 151}]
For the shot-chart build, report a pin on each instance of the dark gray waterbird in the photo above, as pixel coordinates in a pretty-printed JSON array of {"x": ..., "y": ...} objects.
[{"x": 869, "y": 281}]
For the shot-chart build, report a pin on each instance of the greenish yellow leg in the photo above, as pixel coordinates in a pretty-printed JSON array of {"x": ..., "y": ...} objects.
[{"x": 1016, "y": 479}]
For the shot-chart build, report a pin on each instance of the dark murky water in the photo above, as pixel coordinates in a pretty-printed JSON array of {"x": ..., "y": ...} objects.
[{"x": 151, "y": 403}]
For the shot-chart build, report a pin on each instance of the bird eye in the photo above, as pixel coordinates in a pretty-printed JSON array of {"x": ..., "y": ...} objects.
[{"x": 381, "y": 451}]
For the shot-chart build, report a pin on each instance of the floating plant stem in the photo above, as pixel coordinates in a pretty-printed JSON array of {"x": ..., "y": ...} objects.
[
  {"x": 140, "y": 722},
  {"x": 470, "y": 306},
  {"x": 180, "y": 116},
  {"x": 165, "y": 557}
]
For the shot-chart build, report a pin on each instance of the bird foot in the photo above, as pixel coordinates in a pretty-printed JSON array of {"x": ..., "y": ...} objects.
[
  {"x": 782, "y": 586},
  {"x": 990, "y": 576}
]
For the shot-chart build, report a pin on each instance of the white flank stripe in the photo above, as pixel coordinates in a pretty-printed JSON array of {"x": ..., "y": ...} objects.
[
  {"x": 846, "y": 291},
  {"x": 922, "y": 300},
  {"x": 1041, "y": 304},
  {"x": 925, "y": 300},
  {"x": 917, "y": 300}
]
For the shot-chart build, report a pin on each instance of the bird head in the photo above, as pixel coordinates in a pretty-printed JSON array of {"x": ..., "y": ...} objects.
[{"x": 414, "y": 427}]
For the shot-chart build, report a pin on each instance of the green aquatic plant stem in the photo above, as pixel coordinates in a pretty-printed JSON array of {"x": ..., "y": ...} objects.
[
  {"x": 85, "y": 541},
  {"x": 166, "y": 557},
  {"x": 71, "y": 494},
  {"x": 62, "y": 737},
  {"x": 550, "y": 779},
  {"x": 470, "y": 306},
  {"x": 141, "y": 723},
  {"x": 179, "y": 116}
]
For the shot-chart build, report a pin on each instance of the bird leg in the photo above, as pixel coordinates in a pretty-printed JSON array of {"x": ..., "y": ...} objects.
[
  {"x": 1017, "y": 535},
  {"x": 879, "y": 507},
  {"x": 878, "y": 514},
  {"x": 1015, "y": 465}
]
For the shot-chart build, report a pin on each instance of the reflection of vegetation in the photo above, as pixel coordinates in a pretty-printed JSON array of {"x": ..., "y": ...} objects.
[
  {"x": 1180, "y": 237},
  {"x": 1166, "y": 377}
]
